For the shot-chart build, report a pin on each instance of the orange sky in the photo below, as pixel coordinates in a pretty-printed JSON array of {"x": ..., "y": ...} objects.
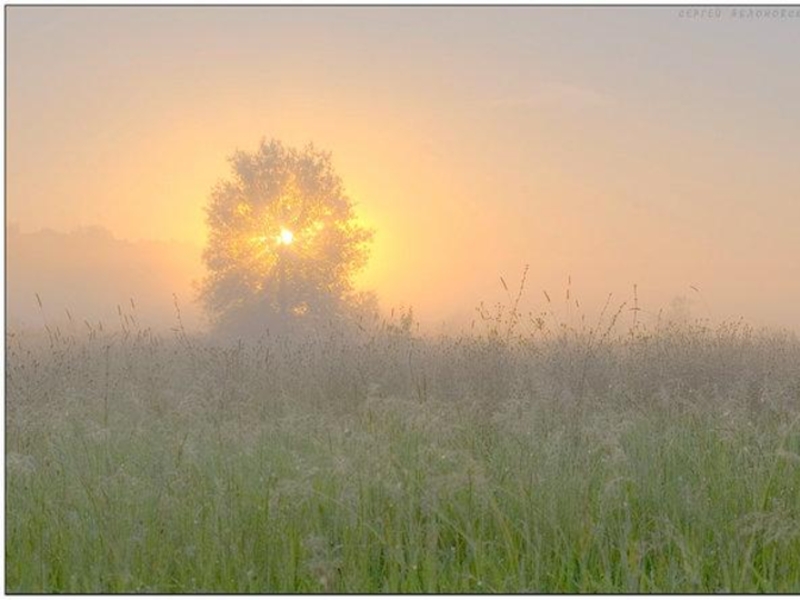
[{"x": 618, "y": 146}]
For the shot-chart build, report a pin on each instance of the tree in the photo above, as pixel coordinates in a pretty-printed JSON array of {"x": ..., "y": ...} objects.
[{"x": 283, "y": 242}]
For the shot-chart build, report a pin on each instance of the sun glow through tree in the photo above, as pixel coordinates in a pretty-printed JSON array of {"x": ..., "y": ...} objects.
[
  {"x": 284, "y": 241},
  {"x": 286, "y": 237}
]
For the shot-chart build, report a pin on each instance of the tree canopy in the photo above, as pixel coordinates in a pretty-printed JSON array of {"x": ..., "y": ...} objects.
[{"x": 284, "y": 242}]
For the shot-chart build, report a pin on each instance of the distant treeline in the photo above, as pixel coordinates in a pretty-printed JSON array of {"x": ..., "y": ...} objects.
[{"x": 89, "y": 273}]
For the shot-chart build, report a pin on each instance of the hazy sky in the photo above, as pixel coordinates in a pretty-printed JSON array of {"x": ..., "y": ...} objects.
[{"x": 615, "y": 145}]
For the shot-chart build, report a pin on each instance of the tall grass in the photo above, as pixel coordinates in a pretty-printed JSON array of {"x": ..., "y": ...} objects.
[{"x": 530, "y": 455}]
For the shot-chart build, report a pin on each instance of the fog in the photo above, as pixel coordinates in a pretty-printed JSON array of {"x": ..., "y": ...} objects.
[
  {"x": 89, "y": 275},
  {"x": 473, "y": 141},
  {"x": 93, "y": 275},
  {"x": 361, "y": 299}
]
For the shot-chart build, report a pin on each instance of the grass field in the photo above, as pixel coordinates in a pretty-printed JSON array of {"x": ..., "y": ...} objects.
[{"x": 539, "y": 458}]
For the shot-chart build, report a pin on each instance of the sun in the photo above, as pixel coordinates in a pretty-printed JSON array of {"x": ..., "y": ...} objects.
[{"x": 286, "y": 237}]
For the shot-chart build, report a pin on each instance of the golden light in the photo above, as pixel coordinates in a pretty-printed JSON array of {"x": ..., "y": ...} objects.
[{"x": 286, "y": 237}]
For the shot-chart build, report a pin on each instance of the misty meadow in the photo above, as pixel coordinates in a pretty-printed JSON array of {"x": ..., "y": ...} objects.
[
  {"x": 536, "y": 458},
  {"x": 584, "y": 218}
]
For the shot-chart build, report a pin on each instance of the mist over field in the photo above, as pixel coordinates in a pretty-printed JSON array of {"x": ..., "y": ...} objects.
[
  {"x": 90, "y": 273},
  {"x": 373, "y": 459},
  {"x": 402, "y": 300}
]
